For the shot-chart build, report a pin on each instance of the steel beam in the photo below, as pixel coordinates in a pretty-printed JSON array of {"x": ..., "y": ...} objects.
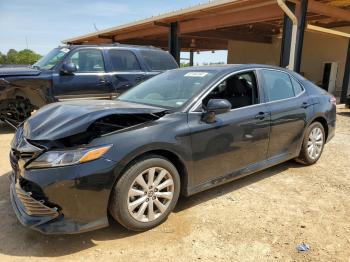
[
  {"x": 346, "y": 80},
  {"x": 191, "y": 58},
  {"x": 300, "y": 35},
  {"x": 286, "y": 37},
  {"x": 174, "y": 41}
]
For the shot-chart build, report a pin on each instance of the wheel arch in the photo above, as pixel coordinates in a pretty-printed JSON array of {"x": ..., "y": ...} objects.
[
  {"x": 34, "y": 97},
  {"x": 168, "y": 154},
  {"x": 322, "y": 120}
]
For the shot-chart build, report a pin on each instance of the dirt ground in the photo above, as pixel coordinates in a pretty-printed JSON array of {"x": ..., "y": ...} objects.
[{"x": 262, "y": 217}]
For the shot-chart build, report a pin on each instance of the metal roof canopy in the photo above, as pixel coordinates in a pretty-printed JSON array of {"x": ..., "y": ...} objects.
[{"x": 210, "y": 26}]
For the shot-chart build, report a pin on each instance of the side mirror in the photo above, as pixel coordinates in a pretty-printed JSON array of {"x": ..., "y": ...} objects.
[
  {"x": 215, "y": 107},
  {"x": 69, "y": 68}
]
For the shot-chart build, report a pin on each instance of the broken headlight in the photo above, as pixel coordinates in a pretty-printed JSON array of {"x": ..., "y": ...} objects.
[{"x": 68, "y": 157}]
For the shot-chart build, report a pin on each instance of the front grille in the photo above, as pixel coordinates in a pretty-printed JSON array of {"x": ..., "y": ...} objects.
[
  {"x": 22, "y": 155},
  {"x": 35, "y": 190},
  {"x": 32, "y": 206}
]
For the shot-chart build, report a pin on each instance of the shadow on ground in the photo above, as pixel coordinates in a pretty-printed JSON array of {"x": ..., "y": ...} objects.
[
  {"x": 6, "y": 129},
  {"x": 20, "y": 241},
  {"x": 344, "y": 113}
]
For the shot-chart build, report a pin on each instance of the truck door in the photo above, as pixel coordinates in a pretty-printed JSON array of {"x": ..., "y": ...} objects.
[
  {"x": 124, "y": 69},
  {"x": 89, "y": 81}
]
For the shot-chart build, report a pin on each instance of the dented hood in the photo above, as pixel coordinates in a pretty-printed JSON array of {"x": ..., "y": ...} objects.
[
  {"x": 63, "y": 119},
  {"x": 18, "y": 71}
]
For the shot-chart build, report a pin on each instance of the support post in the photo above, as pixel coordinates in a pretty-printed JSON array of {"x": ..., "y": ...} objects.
[
  {"x": 286, "y": 37},
  {"x": 174, "y": 42},
  {"x": 191, "y": 57},
  {"x": 300, "y": 35},
  {"x": 346, "y": 79}
]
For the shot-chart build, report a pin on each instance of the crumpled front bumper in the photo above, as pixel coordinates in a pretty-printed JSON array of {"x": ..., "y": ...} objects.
[
  {"x": 30, "y": 212},
  {"x": 79, "y": 196}
]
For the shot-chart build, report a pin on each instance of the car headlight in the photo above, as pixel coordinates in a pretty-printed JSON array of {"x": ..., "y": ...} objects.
[{"x": 68, "y": 157}]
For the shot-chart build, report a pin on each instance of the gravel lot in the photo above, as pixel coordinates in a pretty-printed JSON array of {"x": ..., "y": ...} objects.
[{"x": 262, "y": 217}]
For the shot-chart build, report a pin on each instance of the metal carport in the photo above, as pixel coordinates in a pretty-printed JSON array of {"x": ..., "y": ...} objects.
[{"x": 211, "y": 26}]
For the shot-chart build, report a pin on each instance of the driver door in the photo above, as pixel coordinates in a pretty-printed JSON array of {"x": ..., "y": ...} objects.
[
  {"x": 89, "y": 81},
  {"x": 238, "y": 139}
]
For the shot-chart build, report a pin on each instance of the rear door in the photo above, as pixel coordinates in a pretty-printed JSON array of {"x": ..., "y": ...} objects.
[
  {"x": 89, "y": 81},
  {"x": 289, "y": 106},
  {"x": 124, "y": 68}
]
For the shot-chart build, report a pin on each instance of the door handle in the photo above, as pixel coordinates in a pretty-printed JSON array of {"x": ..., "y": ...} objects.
[
  {"x": 261, "y": 115},
  {"x": 305, "y": 105},
  {"x": 103, "y": 81}
]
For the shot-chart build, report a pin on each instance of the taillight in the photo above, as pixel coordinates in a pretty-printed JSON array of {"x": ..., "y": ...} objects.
[{"x": 333, "y": 100}]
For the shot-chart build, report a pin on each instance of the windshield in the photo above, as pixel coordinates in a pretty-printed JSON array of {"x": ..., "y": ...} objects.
[
  {"x": 52, "y": 58},
  {"x": 171, "y": 89}
]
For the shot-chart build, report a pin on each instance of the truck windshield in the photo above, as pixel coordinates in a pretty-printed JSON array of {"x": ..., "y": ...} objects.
[
  {"x": 51, "y": 59},
  {"x": 171, "y": 89}
]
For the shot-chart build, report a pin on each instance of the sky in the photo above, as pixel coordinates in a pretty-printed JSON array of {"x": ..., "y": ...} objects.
[{"x": 43, "y": 24}]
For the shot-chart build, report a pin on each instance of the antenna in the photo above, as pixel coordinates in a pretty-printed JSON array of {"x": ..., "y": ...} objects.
[
  {"x": 95, "y": 27},
  {"x": 27, "y": 42}
]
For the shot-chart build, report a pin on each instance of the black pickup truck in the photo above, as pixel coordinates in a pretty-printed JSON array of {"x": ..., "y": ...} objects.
[{"x": 77, "y": 72}]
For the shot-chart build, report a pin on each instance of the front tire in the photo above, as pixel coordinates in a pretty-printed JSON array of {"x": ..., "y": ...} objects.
[
  {"x": 313, "y": 144},
  {"x": 145, "y": 194},
  {"x": 16, "y": 110}
]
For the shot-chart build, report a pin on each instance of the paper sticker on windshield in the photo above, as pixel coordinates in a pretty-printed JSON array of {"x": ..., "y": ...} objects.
[
  {"x": 64, "y": 50},
  {"x": 196, "y": 74}
]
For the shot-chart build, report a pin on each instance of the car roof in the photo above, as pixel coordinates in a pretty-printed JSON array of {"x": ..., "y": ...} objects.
[
  {"x": 134, "y": 47},
  {"x": 231, "y": 67}
]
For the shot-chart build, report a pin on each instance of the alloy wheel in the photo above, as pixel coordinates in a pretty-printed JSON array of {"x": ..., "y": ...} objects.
[
  {"x": 315, "y": 143},
  {"x": 150, "y": 194}
]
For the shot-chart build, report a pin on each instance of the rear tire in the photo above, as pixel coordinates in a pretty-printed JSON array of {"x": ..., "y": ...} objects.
[
  {"x": 313, "y": 144},
  {"x": 145, "y": 194}
]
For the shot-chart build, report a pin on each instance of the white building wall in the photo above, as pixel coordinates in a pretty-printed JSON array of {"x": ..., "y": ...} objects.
[{"x": 318, "y": 48}]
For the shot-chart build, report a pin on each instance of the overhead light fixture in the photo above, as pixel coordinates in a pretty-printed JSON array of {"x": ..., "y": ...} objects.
[{"x": 193, "y": 43}]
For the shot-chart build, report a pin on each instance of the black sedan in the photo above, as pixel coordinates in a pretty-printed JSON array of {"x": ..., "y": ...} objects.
[{"x": 181, "y": 132}]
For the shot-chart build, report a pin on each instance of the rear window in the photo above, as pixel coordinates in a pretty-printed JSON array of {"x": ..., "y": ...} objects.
[
  {"x": 277, "y": 85},
  {"x": 297, "y": 87},
  {"x": 158, "y": 60},
  {"x": 123, "y": 60}
]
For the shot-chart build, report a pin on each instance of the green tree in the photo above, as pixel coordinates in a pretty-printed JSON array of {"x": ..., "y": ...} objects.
[
  {"x": 11, "y": 57},
  {"x": 182, "y": 64},
  {"x": 27, "y": 57},
  {"x": 23, "y": 57},
  {"x": 2, "y": 58}
]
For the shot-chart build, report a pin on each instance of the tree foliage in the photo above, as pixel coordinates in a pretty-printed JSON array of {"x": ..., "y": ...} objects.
[{"x": 23, "y": 57}]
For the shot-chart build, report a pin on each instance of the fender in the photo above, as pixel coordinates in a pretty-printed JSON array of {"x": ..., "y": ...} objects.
[{"x": 161, "y": 149}]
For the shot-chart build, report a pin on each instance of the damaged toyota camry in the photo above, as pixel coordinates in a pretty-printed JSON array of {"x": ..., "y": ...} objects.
[{"x": 78, "y": 164}]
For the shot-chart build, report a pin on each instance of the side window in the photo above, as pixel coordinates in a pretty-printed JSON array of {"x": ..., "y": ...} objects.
[
  {"x": 88, "y": 60},
  {"x": 158, "y": 60},
  {"x": 277, "y": 85},
  {"x": 297, "y": 86},
  {"x": 240, "y": 90},
  {"x": 123, "y": 60}
]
